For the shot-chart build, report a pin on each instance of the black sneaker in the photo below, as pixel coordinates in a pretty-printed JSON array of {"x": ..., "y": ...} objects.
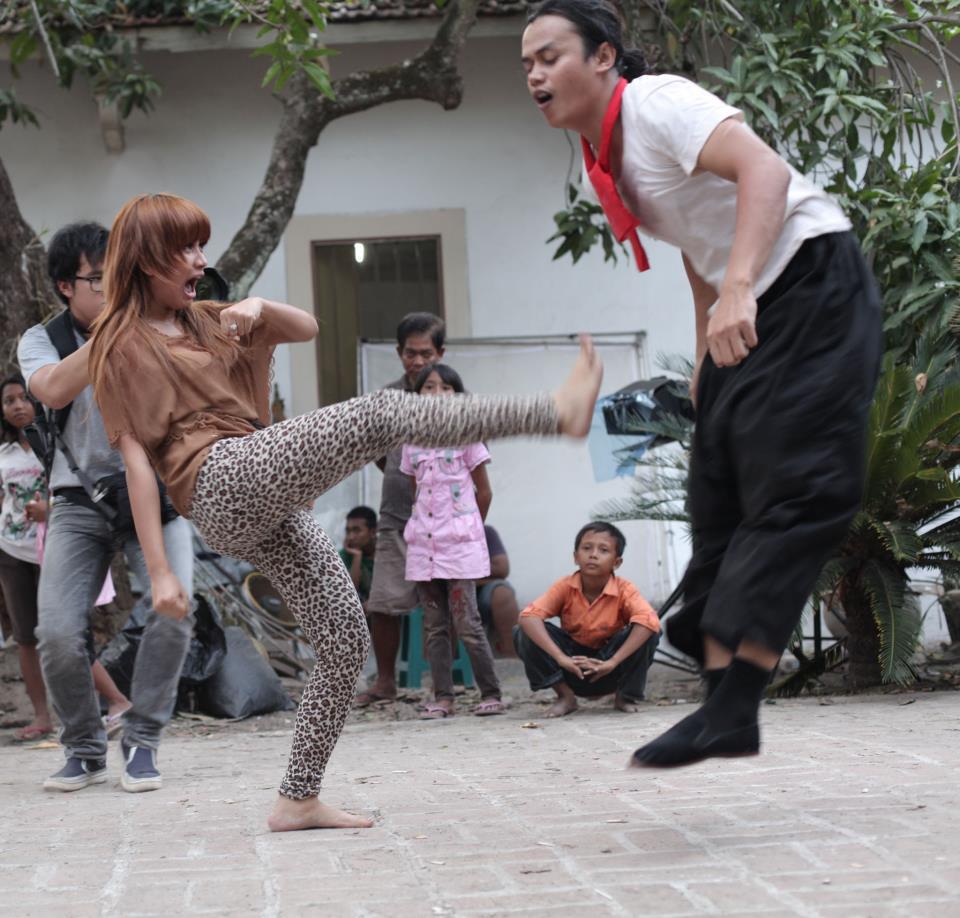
[
  {"x": 77, "y": 773},
  {"x": 139, "y": 769}
]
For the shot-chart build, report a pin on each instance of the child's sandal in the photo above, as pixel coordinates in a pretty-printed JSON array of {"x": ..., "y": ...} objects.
[{"x": 490, "y": 707}]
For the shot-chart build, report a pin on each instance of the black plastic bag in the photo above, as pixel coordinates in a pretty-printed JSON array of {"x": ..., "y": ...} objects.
[
  {"x": 244, "y": 685},
  {"x": 208, "y": 646},
  {"x": 119, "y": 656}
]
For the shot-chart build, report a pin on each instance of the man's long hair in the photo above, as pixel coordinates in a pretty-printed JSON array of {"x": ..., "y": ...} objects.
[{"x": 148, "y": 236}]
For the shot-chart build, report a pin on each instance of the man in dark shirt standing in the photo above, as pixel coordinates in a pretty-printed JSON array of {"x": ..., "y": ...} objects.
[{"x": 420, "y": 340}]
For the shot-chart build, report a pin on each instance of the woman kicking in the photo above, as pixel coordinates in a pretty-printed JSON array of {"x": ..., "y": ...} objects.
[{"x": 183, "y": 387}]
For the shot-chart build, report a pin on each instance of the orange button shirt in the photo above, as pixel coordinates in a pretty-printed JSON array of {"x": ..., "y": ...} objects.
[{"x": 593, "y": 624}]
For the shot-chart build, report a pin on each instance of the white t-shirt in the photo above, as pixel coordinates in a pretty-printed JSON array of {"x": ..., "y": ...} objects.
[
  {"x": 21, "y": 476},
  {"x": 666, "y": 122}
]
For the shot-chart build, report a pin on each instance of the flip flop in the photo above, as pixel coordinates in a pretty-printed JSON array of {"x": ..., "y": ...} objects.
[
  {"x": 31, "y": 733},
  {"x": 435, "y": 712},
  {"x": 113, "y": 723},
  {"x": 490, "y": 707},
  {"x": 365, "y": 699}
]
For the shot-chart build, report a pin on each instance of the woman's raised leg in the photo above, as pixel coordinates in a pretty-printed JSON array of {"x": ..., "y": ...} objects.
[{"x": 287, "y": 465}]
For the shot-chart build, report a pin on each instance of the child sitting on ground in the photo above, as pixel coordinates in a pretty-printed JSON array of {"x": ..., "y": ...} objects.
[
  {"x": 607, "y": 635},
  {"x": 447, "y": 552}
]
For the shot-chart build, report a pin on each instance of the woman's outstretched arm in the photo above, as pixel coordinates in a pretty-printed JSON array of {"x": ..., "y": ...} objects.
[
  {"x": 283, "y": 323},
  {"x": 169, "y": 596}
]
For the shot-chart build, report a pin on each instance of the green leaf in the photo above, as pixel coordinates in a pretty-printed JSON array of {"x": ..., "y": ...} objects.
[{"x": 898, "y": 620}]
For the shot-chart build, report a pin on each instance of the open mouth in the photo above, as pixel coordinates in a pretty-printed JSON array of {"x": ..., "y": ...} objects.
[
  {"x": 542, "y": 98},
  {"x": 190, "y": 287}
]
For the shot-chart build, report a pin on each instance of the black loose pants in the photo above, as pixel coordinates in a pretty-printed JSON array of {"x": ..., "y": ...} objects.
[{"x": 777, "y": 466}]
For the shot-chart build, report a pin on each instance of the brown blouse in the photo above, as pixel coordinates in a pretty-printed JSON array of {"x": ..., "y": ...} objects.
[{"x": 177, "y": 422}]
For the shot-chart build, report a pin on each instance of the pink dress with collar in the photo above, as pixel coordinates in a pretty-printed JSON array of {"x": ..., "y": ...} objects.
[{"x": 444, "y": 536}]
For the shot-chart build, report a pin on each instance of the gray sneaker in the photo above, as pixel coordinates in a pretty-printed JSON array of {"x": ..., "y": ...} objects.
[
  {"x": 139, "y": 769},
  {"x": 77, "y": 773}
]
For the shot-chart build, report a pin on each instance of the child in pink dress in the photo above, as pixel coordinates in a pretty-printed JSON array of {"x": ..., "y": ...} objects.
[{"x": 447, "y": 553}]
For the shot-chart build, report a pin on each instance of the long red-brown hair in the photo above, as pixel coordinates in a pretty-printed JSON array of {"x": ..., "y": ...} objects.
[{"x": 148, "y": 236}]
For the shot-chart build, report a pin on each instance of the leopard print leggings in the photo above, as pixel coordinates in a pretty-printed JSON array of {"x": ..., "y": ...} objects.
[{"x": 248, "y": 501}]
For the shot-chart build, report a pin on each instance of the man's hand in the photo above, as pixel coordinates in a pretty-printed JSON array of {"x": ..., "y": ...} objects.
[
  {"x": 570, "y": 665},
  {"x": 169, "y": 597},
  {"x": 241, "y": 318},
  {"x": 731, "y": 330},
  {"x": 593, "y": 669}
]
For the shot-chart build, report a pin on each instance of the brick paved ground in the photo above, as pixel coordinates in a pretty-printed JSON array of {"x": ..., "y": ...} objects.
[{"x": 853, "y": 810}]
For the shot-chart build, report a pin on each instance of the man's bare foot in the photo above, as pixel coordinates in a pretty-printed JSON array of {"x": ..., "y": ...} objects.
[
  {"x": 625, "y": 704},
  {"x": 293, "y": 815},
  {"x": 578, "y": 394},
  {"x": 566, "y": 703}
]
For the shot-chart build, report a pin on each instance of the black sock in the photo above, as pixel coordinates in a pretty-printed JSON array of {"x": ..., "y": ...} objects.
[
  {"x": 712, "y": 679},
  {"x": 737, "y": 698},
  {"x": 726, "y": 724}
]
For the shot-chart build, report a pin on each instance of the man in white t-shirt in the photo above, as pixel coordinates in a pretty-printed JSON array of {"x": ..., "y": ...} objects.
[
  {"x": 788, "y": 347},
  {"x": 80, "y": 545}
]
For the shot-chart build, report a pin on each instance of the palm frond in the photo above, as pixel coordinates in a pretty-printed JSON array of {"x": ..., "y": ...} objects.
[
  {"x": 830, "y": 575},
  {"x": 897, "y": 617},
  {"x": 903, "y": 542},
  {"x": 939, "y": 412}
]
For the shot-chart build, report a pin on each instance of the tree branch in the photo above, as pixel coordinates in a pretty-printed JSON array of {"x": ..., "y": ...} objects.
[
  {"x": 923, "y": 21},
  {"x": 432, "y": 76}
]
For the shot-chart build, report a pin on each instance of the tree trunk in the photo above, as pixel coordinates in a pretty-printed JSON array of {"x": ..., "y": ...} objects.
[
  {"x": 863, "y": 639},
  {"x": 25, "y": 291},
  {"x": 432, "y": 76}
]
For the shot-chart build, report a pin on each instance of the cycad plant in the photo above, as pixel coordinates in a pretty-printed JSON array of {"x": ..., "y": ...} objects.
[
  {"x": 911, "y": 508},
  {"x": 910, "y": 517}
]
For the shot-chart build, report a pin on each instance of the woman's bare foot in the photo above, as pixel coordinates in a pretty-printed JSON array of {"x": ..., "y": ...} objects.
[
  {"x": 578, "y": 394},
  {"x": 292, "y": 815},
  {"x": 625, "y": 704}
]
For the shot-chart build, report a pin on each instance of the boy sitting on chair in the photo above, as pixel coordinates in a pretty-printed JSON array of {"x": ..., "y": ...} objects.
[{"x": 607, "y": 635}]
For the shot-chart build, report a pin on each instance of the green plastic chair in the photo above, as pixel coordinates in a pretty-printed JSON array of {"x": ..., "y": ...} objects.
[{"x": 413, "y": 664}]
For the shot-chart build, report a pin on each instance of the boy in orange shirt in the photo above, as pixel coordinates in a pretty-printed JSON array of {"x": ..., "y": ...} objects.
[{"x": 607, "y": 635}]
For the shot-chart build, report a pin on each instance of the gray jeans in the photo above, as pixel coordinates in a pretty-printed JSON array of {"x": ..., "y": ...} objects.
[{"x": 76, "y": 559}]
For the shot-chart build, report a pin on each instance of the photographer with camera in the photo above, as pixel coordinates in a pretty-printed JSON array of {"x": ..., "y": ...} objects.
[{"x": 89, "y": 522}]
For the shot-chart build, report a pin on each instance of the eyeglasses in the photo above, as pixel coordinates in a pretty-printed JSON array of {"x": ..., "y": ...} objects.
[{"x": 94, "y": 280}]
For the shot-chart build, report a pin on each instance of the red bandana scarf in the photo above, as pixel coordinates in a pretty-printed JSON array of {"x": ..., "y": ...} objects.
[{"x": 623, "y": 223}]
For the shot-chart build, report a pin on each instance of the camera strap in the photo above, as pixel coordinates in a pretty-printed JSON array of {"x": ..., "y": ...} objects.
[{"x": 96, "y": 497}]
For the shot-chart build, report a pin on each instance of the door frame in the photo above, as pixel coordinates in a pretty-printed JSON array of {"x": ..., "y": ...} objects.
[{"x": 304, "y": 231}]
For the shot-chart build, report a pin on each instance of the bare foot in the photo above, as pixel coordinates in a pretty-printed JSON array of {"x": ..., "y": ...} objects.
[
  {"x": 562, "y": 706},
  {"x": 292, "y": 815},
  {"x": 578, "y": 394},
  {"x": 625, "y": 704}
]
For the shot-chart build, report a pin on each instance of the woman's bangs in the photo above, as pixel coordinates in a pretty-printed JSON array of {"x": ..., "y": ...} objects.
[{"x": 184, "y": 223}]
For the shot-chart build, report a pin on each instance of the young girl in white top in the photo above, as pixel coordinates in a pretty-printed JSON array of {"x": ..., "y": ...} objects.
[
  {"x": 22, "y": 517},
  {"x": 24, "y": 506},
  {"x": 787, "y": 348}
]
